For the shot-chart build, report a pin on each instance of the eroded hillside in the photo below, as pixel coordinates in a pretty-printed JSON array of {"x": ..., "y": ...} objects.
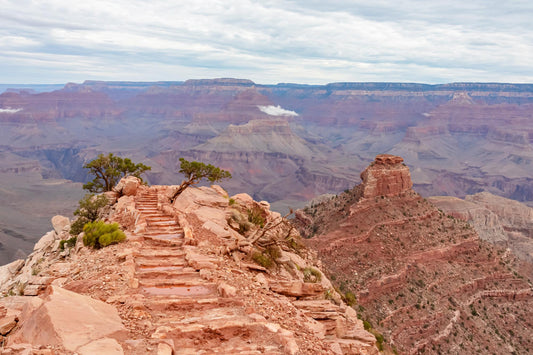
[{"x": 421, "y": 277}]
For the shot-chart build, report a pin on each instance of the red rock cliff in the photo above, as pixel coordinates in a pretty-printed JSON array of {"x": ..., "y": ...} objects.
[{"x": 386, "y": 176}]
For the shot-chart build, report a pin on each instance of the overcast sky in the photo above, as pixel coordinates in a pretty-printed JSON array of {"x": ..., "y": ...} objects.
[{"x": 299, "y": 41}]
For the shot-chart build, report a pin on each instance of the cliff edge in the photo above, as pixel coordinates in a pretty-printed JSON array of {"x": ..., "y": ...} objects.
[{"x": 209, "y": 273}]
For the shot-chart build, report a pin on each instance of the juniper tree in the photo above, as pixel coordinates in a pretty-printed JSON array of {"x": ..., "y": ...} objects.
[
  {"x": 195, "y": 171},
  {"x": 109, "y": 169}
]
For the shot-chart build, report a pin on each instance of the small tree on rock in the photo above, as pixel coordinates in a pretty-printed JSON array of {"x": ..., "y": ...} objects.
[
  {"x": 89, "y": 210},
  {"x": 195, "y": 171},
  {"x": 109, "y": 169}
]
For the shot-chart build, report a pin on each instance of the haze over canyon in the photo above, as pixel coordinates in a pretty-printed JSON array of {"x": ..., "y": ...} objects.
[{"x": 285, "y": 143}]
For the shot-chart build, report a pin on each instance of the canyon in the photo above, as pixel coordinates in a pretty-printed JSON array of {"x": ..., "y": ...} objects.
[
  {"x": 422, "y": 277},
  {"x": 286, "y": 143}
]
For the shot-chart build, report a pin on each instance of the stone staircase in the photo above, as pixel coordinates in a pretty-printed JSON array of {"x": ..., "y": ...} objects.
[{"x": 187, "y": 311}]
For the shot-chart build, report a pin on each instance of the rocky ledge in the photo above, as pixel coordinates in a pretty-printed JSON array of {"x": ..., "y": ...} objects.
[{"x": 207, "y": 274}]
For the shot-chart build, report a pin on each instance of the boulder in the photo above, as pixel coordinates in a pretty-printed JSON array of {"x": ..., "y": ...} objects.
[
  {"x": 60, "y": 223},
  {"x": 45, "y": 241},
  {"x": 9, "y": 270},
  {"x": 128, "y": 186},
  {"x": 69, "y": 320},
  {"x": 296, "y": 288}
]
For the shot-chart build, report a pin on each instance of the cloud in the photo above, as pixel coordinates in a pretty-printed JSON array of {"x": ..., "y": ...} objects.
[
  {"x": 10, "y": 110},
  {"x": 270, "y": 41},
  {"x": 276, "y": 111}
]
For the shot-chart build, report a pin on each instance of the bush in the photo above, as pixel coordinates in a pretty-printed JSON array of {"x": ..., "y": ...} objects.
[
  {"x": 262, "y": 259},
  {"x": 89, "y": 210},
  {"x": 350, "y": 298},
  {"x": 255, "y": 216},
  {"x": 312, "y": 275},
  {"x": 99, "y": 234},
  {"x": 69, "y": 242},
  {"x": 77, "y": 226}
]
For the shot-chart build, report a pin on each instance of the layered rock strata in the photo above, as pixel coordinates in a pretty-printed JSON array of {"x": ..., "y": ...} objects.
[
  {"x": 422, "y": 278},
  {"x": 386, "y": 176}
]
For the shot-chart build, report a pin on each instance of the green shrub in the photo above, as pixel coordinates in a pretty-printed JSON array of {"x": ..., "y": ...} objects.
[
  {"x": 312, "y": 275},
  {"x": 231, "y": 201},
  {"x": 350, "y": 298},
  {"x": 69, "y": 242},
  {"x": 77, "y": 226},
  {"x": 89, "y": 210},
  {"x": 255, "y": 216},
  {"x": 379, "y": 340},
  {"x": 274, "y": 252},
  {"x": 262, "y": 259},
  {"x": 99, "y": 234},
  {"x": 367, "y": 325}
]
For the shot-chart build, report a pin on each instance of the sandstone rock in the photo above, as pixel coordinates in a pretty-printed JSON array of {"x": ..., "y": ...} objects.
[
  {"x": 296, "y": 288},
  {"x": 7, "y": 323},
  {"x": 226, "y": 290},
  {"x": 127, "y": 186},
  {"x": 45, "y": 241},
  {"x": 386, "y": 176},
  {"x": 9, "y": 270},
  {"x": 106, "y": 346},
  {"x": 112, "y": 197},
  {"x": 60, "y": 223},
  {"x": 220, "y": 190},
  {"x": 194, "y": 198},
  {"x": 243, "y": 199},
  {"x": 164, "y": 348},
  {"x": 70, "y": 320}
]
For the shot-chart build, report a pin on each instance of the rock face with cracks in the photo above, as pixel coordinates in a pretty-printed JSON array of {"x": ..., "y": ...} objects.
[
  {"x": 209, "y": 274},
  {"x": 386, "y": 176}
]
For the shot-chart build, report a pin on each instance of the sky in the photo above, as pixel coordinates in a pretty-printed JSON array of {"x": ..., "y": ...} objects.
[{"x": 267, "y": 41}]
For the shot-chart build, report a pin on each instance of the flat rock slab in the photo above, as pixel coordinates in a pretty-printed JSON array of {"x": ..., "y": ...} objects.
[{"x": 70, "y": 320}]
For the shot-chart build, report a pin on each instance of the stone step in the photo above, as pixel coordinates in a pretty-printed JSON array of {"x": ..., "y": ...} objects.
[
  {"x": 164, "y": 233},
  {"x": 143, "y": 262},
  {"x": 148, "y": 208},
  {"x": 169, "y": 272},
  {"x": 163, "y": 242},
  {"x": 176, "y": 289},
  {"x": 162, "y": 306},
  {"x": 164, "y": 236},
  {"x": 169, "y": 279},
  {"x": 169, "y": 234},
  {"x": 161, "y": 223},
  {"x": 163, "y": 227},
  {"x": 155, "y": 252}
]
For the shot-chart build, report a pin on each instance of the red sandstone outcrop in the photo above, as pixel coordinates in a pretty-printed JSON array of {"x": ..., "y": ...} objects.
[
  {"x": 422, "y": 278},
  {"x": 386, "y": 176}
]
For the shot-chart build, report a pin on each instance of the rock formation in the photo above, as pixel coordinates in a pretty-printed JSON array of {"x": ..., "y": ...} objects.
[
  {"x": 208, "y": 273},
  {"x": 422, "y": 278},
  {"x": 386, "y": 176}
]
